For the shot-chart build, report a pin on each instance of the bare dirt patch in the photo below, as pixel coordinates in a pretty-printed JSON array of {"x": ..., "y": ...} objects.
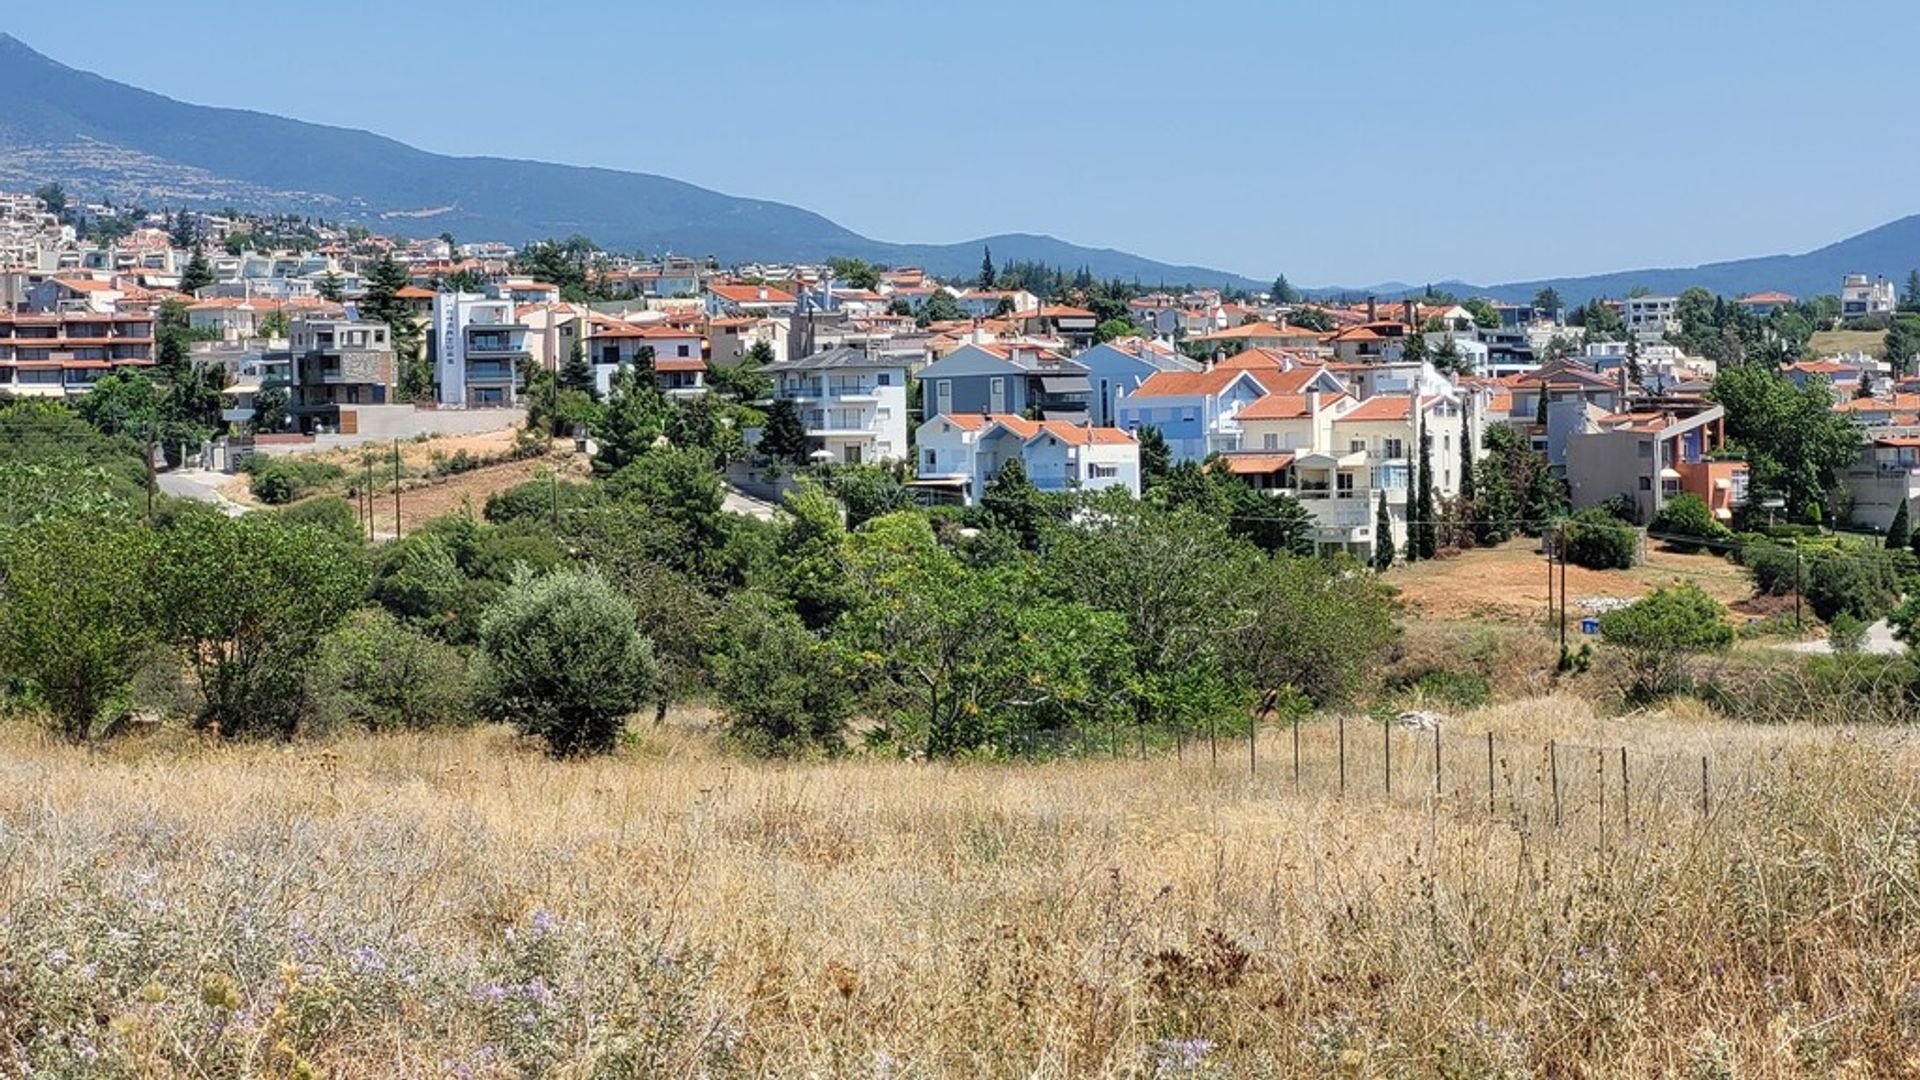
[{"x": 1508, "y": 583}]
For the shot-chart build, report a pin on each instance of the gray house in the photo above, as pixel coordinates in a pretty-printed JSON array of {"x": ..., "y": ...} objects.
[{"x": 1003, "y": 379}]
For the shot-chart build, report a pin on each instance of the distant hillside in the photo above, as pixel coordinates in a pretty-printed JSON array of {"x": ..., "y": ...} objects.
[
  {"x": 102, "y": 138},
  {"x": 1890, "y": 250}
]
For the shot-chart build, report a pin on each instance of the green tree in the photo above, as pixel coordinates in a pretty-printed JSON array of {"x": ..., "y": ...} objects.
[
  {"x": 1910, "y": 299},
  {"x": 1484, "y": 315},
  {"x": 576, "y": 373},
  {"x": 987, "y": 276},
  {"x": 1382, "y": 535},
  {"x": 270, "y": 409},
  {"x": 77, "y": 615},
  {"x": 382, "y": 303},
  {"x": 1307, "y": 627},
  {"x": 1547, "y": 300},
  {"x": 941, "y": 306},
  {"x": 1313, "y": 318},
  {"x": 1112, "y": 329},
  {"x": 1423, "y": 529},
  {"x": 1598, "y": 540},
  {"x": 53, "y": 197},
  {"x": 854, "y": 273},
  {"x": 679, "y": 488},
  {"x": 782, "y": 690},
  {"x": 197, "y": 275},
  {"x": 783, "y": 438},
  {"x": 1902, "y": 342},
  {"x": 1900, "y": 533},
  {"x": 1284, "y": 292},
  {"x": 1156, "y": 458},
  {"x": 1469, "y": 483},
  {"x": 1687, "y": 515},
  {"x": 563, "y": 657},
  {"x": 1659, "y": 632},
  {"x": 373, "y": 672},
  {"x": 247, "y": 600},
  {"x": 867, "y": 492},
  {"x": 634, "y": 419},
  {"x": 1795, "y": 444},
  {"x": 1012, "y": 503},
  {"x": 812, "y": 534},
  {"x": 956, "y": 660},
  {"x": 330, "y": 287}
]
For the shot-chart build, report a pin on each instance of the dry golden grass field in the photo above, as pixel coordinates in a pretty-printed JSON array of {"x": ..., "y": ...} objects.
[
  {"x": 455, "y": 905},
  {"x": 1833, "y": 342}
]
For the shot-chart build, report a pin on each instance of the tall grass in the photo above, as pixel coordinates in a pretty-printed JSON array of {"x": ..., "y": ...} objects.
[{"x": 454, "y": 905}]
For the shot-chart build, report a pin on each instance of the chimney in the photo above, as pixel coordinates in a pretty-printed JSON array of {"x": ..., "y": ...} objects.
[
  {"x": 1313, "y": 403},
  {"x": 1373, "y": 309}
]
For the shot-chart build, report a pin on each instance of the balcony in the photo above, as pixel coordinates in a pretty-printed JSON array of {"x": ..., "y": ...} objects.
[{"x": 495, "y": 373}]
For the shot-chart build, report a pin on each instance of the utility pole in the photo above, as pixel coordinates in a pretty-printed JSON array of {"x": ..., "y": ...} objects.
[
  {"x": 1796, "y": 583},
  {"x": 1563, "y": 588},
  {"x": 396, "y": 489},
  {"x": 153, "y": 479}
]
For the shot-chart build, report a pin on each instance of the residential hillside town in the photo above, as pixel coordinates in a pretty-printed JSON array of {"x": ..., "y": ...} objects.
[{"x": 1336, "y": 402}]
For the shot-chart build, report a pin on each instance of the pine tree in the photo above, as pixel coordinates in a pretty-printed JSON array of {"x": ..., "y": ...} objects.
[
  {"x": 782, "y": 437},
  {"x": 636, "y": 415},
  {"x": 197, "y": 275},
  {"x": 1383, "y": 535},
  {"x": 987, "y": 276},
  {"x": 576, "y": 373},
  {"x": 329, "y": 287},
  {"x": 1284, "y": 292},
  {"x": 1899, "y": 534}
]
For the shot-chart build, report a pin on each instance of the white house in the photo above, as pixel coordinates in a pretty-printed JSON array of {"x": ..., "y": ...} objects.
[
  {"x": 1651, "y": 318},
  {"x": 852, "y": 403},
  {"x": 964, "y": 452},
  {"x": 1862, "y": 296},
  {"x": 477, "y": 344}
]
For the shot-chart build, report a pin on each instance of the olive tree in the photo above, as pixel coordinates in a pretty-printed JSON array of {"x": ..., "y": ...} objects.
[
  {"x": 563, "y": 658},
  {"x": 76, "y": 615}
]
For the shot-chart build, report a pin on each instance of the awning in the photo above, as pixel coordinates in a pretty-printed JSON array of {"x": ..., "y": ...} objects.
[
  {"x": 1256, "y": 464},
  {"x": 1723, "y": 514},
  {"x": 1669, "y": 474},
  {"x": 1066, "y": 384},
  {"x": 1723, "y": 484}
]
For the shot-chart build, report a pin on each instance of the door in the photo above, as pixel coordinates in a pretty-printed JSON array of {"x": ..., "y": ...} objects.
[
  {"x": 850, "y": 454},
  {"x": 997, "y": 395}
]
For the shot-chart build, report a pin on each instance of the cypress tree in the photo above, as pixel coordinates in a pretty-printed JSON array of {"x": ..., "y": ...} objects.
[
  {"x": 1382, "y": 535},
  {"x": 1467, "y": 486},
  {"x": 1413, "y": 496},
  {"x": 1900, "y": 533},
  {"x": 1428, "y": 532}
]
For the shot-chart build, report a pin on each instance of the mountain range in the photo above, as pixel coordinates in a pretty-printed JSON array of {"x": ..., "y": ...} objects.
[{"x": 103, "y": 139}]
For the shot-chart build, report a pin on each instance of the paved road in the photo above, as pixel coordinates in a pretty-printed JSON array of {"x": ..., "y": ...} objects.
[
  {"x": 201, "y": 484},
  {"x": 1880, "y": 640},
  {"x": 738, "y": 502}
]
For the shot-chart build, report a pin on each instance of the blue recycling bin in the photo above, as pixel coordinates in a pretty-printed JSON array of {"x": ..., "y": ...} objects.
[{"x": 1589, "y": 626}]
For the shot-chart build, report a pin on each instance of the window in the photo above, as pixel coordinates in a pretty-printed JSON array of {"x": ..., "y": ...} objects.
[
  {"x": 1270, "y": 441},
  {"x": 943, "y": 394},
  {"x": 1102, "y": 472},
  {"x": 1189, "y": 415},
  {"x": 1646, "y": 484},
  {"x": 885, "y": 378},
  {"x": 683, "y": 351},
  {"x": 1355, "y": 446},
  {"x": 932, "y": 459}
]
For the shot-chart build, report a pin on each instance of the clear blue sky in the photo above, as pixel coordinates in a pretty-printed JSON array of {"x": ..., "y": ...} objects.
[{"x": 1339, "y": 143}]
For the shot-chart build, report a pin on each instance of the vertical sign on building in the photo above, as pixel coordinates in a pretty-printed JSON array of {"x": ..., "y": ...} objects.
[{"x": 452, "y": 359}]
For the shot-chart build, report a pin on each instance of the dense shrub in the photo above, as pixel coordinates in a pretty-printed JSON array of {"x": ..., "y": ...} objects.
[
  {"x": 1659, "y": 631},
  {"x": 280, "y": 480},
  {"x": 336, "y": 516},
  {"x": 1598, "y": 540},
  {"x": 563, "y": 658},
  {"x": 781, "y": 689},
  {"x": 1846, "y": 634},
  {"x": 541, "y": 500},
  {"x": 1688, "y": 516},
  {"x": 1861, "y": 582},
  {"x": 374, "y": 672},
  {"x": 1777, "y": 569}
]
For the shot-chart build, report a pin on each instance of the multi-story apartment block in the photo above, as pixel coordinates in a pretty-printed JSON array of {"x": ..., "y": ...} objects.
[
  {"x": 1863, "y": 297},
  {"x": 1652, "y": 452},
  {"x": 477, "y": 344},
  {"x": 853, "y": 402},
  {"x": 332, "y": 363},
  {"x": 62, "y": 353},
  {"x": 1650, "y": 318}
]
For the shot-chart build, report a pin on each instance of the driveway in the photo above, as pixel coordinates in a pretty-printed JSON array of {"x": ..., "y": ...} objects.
[
  {"x": 1880, "y": 641},
  {"x": 738, "y": 502},
  {"x": 201, "y": 484}
]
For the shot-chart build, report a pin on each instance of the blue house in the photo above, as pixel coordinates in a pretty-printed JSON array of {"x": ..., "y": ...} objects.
[
  {"x": 999, "y": 379},
  {"x": 1196, "y": 411},
  {"x": 1116, "y": 368}
]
